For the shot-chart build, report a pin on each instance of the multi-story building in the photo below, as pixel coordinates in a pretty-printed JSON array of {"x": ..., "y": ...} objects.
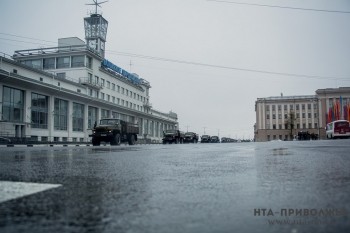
[
  {"x": 282, "y": 117},
  {"x": 60, "y": 93}
]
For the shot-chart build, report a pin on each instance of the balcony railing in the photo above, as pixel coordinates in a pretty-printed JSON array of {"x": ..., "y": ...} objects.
[
  {"x": 147, "y": 104},
  {"x": 91, "y": 83}
]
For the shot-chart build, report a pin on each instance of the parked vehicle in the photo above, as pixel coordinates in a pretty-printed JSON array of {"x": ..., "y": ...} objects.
[
  {"x": 4, "y": 140},
  {"x": 205, "y": 139},
  {"x": 173, "y": 136},
  {"x": 114, "y": 131},
  {"x": 305, "y": 135},
  {"x": 191, "y": 137},
  {"x": 215, "y": 139},
  {"x": 338, "y": 129}
]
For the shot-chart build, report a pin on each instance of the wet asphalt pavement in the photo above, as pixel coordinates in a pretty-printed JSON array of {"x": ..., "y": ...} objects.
[{"x": 179, "y": 188}]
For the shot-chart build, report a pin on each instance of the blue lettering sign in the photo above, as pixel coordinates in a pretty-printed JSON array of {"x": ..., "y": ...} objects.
[{"x": 109, "y": 65}]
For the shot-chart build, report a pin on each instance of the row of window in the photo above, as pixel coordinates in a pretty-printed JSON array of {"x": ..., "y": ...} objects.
[
  {"x": 119, "y": 101},
  {"x": 289, "y": 126},
  {"x": 114, "y": 87},
  {"x": 13, "y": 109},
  {"x": 291, "y": 107},
  {"x": 298, "y": 115},
  {"x": 59, "y": 62}
]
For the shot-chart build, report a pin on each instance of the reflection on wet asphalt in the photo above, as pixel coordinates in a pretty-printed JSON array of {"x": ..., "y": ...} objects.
[{"x": 179, "y": 188}]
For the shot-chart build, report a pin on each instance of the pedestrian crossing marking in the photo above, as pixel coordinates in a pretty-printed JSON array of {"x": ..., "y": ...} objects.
[{"x": 10, "y": 190}]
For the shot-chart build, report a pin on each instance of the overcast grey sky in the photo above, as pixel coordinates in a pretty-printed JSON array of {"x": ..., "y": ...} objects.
[{"x": 226, "y": 36}]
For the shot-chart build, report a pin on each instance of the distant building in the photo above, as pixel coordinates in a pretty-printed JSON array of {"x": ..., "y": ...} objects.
[
  {"x": 60, "y": 93},
  {"x": 282, "y": 117}
]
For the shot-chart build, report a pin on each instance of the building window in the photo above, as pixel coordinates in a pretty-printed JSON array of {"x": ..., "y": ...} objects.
[
  {"x": 77, "y": 61},
  {"x": 309, "y": 115},
  {"x": 303, "y": 114},
  {"x": 279, "y": 126},
  {"x": 291, "y": 107},
  {"x": 102, "y": 82},
  {"x": 108, "y": 98},
  {"x": 122, "y": 90},
  {"x": 102, "y": 96},
  {"x": 108, "y": 84},
  {"x": 104, "y": 113},
  {"x": 61, "y": 114},
  {"x": 113, "y": 87},
  {"x": 297, "y": 107},
  {"x": 49, "y": 63},
  {"x": 310, "y": 125},
  {"x": 309, "y": 106},
  {"x": 89, "y": 62},
  {"x": 13, "y": 104},
  {"x": 78, "y": 117},
  {"x": 118, "y": 88},
  {"x": 303, "y": 107},
  {"x": 36, "y": 64},
  {"x": 273, "y": 116},
  {"x": 273, "y": 108},
  {"x": 279, "y": 107},
  {"x": 115, "y": 115},
  {"x": 279, "y": 116},
  {"x": 63, "y": 62},
  {"x": 113, "y": 99},
  {"x": 40, "y": 107},
  {"x": 304, "y": 126},
  {"x": 285, "y": 107},
  {"x": 316, "y": 126},
  {"x": 273, "y": 126},
  {"x": 298, "y": 126},
  {"x": 92, "y": 117},
  {"x": 61, "y": 75}
]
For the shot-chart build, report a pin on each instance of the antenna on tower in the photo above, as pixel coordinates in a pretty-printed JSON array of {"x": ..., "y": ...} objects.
[{"x": 97, "y": 4}]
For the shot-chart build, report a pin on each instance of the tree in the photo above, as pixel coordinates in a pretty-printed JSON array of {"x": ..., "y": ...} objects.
[{"x": 290, "y": 121}]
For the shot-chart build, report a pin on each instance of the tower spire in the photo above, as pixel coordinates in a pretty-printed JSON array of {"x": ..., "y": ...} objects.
[{"x": 97, "y": 4}]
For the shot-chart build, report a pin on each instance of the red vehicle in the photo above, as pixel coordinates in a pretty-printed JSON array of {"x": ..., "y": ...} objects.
[{"x": 338, "y": 129}]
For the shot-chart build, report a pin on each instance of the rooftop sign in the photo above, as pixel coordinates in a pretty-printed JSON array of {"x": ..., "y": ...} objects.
[{"x": 109, "y": 65}]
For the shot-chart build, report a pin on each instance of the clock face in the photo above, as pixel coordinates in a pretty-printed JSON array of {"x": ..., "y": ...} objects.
[{"x": 92, "y": 44}]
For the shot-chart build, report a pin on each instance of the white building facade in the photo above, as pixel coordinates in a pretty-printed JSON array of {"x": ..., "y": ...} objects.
[
  {"x": 60, "y": 93},
  {"x": 282, "y": 117}
]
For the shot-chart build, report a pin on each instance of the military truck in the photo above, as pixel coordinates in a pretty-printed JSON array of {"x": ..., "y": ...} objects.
[
  {"x": 205, "y": 139},
  {"x": 214, "y": 139},
  {"x": 173, "y": 136},
  {"x": 191, "y": 137},
  {"x": 114, "y": 131}
]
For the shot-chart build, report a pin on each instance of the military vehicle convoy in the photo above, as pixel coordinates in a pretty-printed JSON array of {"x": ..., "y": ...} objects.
[
  {"x": 173, "y": 136},
  {"x": 205, "y": 139},
  {"x": 214, "y": 139},
  {"x": 114, "y": 131},
  {"x": 191, "y": 137}
]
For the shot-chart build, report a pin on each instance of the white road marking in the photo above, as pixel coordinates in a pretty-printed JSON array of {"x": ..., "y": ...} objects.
[{"x": 11, "y": 190}]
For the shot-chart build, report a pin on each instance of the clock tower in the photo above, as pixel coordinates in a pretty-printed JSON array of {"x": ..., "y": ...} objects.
[{"x": 96, "y": 30}]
